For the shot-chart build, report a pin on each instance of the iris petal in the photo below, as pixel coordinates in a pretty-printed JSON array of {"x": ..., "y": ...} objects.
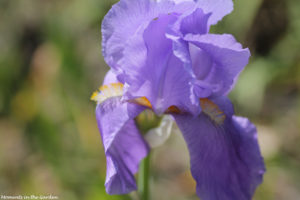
[
  {"x": 225, "y": 158},
  {"x": 201, "y": 62},
  {"x": 126, "y": 17},
  {"x": 161, "y": 77},
  {"x": 110, "y": 77},
  {"x": 123, "y": 144},
  {"x": 228, "y": 59},
  {"x": 195, "y": 23},
  {"x": 218, "y": 8}
]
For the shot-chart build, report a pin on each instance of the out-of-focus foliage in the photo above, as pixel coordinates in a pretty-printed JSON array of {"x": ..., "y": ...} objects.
[{"x": 50, "y": 63}]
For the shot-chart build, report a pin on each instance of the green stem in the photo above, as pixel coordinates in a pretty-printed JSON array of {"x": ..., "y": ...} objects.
[{"x": 143, "y": 179}]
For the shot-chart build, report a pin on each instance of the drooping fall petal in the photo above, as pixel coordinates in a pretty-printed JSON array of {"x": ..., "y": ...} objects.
[
  {"x": 123, "y": 144},
  {"x": 224, "y": 153}
]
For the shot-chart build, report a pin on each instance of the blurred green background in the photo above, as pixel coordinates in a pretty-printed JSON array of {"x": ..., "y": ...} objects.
[{"x": 51, "y": 62}]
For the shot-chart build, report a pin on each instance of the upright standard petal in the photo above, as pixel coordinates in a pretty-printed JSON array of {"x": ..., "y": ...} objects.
[
  {"x": 123, "y": 144},
  {"x": 218, "y": 8},
  {"x": 192, "y": 22},
  {"x": 126, "y": 17},
  {"x": 110, "y": 77},
  {"x": 221, "y": 57},
  {"x": 225, "y": 157},
  {"x": 160, "y": 76},
  {"x": 195, "y": 23}
]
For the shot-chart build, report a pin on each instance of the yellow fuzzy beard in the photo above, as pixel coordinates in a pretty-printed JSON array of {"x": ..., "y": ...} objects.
[
  {"x": 107, "y": 91},
  {"x": 212, "y": 110}
]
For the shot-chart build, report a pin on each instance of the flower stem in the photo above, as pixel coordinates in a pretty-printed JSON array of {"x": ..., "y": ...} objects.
[{"x": 143, "y": 179}]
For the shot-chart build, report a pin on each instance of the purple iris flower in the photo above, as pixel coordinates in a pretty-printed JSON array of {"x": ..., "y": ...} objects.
[{"x": 163, "y": 58}]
